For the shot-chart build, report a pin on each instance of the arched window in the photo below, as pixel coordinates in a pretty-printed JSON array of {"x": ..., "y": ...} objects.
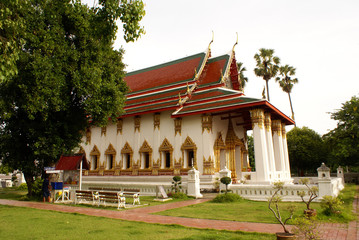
[
  {"x": 145, "y": 156},
  {"x": 95, "y": 158},
  {"x": 110, "y": 154},
  {"x": 189, "y": 153},
  {"x": 127, "y": 154},
  {"x": 166, "y": 152}
]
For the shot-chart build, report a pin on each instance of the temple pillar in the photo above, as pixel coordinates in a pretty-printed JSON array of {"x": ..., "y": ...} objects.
[
  {"x": 260, "y": 145},
  {"x": 285, "y": 152},
  {"x": 278, "y": 149},
  {"x": 269, "y": 139},
  {"x": 156, "y": 164},
  {"x": 177, "y": 153}
]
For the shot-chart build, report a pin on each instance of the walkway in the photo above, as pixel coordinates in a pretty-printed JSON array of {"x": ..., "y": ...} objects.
[{"x": 329, "y": 231}]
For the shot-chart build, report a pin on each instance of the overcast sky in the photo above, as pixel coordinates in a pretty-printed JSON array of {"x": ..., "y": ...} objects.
[{"x": 319, "y": 38}]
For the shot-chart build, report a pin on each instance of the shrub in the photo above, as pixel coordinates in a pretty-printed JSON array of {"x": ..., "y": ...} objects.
[
  {"x": 228, "y": 197},
  {"x": 176, "y": 184},
  {"x": 178, "y": 195},
  {"x": 331, "y": 205},
  {"x": 306, "y": 228},
  {"x": 312, "y": 192},
  {"x": 226, "y": 181},
  {"x": 22, "y": 187}
]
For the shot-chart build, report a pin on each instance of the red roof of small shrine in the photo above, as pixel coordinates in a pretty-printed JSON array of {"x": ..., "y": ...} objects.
[
  {"x": 193, "y": 85},
  {"x": 72, "y": 162}
]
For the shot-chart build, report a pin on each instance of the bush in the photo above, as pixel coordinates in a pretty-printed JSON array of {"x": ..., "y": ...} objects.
[
  {"x": 176, "y": 184},
  {"x": 37, "y": 188},
  {"x": 226, "y": 181},
  {"x": 331, "y": 205},
  {"x": 228, "y": 197},
  {"x": 178, "y": 195},
  {"x": 22, "y": 187},
  {"x": 306, "y": 228}
]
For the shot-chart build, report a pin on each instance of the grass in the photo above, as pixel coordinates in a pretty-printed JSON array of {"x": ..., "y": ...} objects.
[
  {"x": 27, "y": 223},
  {"x": 11, "y": 193},
  {"x": 255, "y": 211},
  {"x": 14, "y": 194}
]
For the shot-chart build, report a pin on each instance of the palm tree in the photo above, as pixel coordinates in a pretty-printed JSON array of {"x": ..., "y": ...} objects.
[
  {"x": 267, "y": 65},
  {"x": 241, "y": 78},
  {"x": 286, "y": 81}
]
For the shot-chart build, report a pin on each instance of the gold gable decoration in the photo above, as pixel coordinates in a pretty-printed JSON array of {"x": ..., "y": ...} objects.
[
  {"x": 190, "y": 145},
  {"x": 110, "y": 150},
  {"x": 103, "y": 131},
  {"x": 138, "y": 123},
  {"x": 219, "y": 143},
  {"x": 178, "y": 125},
  {"x": 231, "y": 137},
  {"x": 207, "y": 123},
  {"x": 145, "y": 147},
  {"x": 156, "y": 121},
  {"x": 126, "y": 149},
  {"x": 165, "y": 146},
  {"x": 95, "y": 152},
  {"x": 119, "y": 125}
]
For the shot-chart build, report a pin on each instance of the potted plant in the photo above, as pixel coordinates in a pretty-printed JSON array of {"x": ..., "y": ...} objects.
[
  {"x": 274, "y": 200},
  {"x": 313, "y": 194}
]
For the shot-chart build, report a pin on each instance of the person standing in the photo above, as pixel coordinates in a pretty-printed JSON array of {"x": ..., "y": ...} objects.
[{"x": 46, "y": 189}]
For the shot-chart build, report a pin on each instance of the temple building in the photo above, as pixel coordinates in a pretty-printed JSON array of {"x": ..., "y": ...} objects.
[{"x": 184, "y": 114}]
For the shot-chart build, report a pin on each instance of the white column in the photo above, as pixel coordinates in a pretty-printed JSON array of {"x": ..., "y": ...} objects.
[
  {"x": 269, "y": 139},
  {"x": 177, "y": 153},
  {"x": 285, "y": 152},
  {"x": 260, "y": 145},
  {"x": 278, "y": 149}
]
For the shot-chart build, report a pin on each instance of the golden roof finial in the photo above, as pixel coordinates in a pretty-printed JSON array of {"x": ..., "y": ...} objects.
[
  {"x": 188, "y": 92},
  {"x": 235, "y": 43},
  {"x": 209, "y": 46}
]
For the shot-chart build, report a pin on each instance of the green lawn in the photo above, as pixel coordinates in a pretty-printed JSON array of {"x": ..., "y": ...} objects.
[
  {"x": 254, "y": 211},
  {"x": 14, "y": 194},
  {"x": 27, "y": 223}
]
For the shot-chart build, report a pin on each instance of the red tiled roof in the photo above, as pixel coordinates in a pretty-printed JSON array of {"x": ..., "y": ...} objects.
[
  {"x": 156, "y": 89},
  {"x": 165, "y": 74},
  {"x": 72, "y": 162}
]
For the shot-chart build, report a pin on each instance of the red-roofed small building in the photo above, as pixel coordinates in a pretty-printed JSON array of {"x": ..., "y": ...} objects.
[{"x": 184, "y": 114}]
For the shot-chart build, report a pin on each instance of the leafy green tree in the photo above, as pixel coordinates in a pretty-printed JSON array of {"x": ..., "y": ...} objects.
[
  {"x": 306, "y": 150},
  {"x": 65, "y": 76},
  {"x": 242, "y": 79},
  {"x": 267, "y": 65},
  {"x": 286, "y": 82},
  {"x": 343, "y": 141}
]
